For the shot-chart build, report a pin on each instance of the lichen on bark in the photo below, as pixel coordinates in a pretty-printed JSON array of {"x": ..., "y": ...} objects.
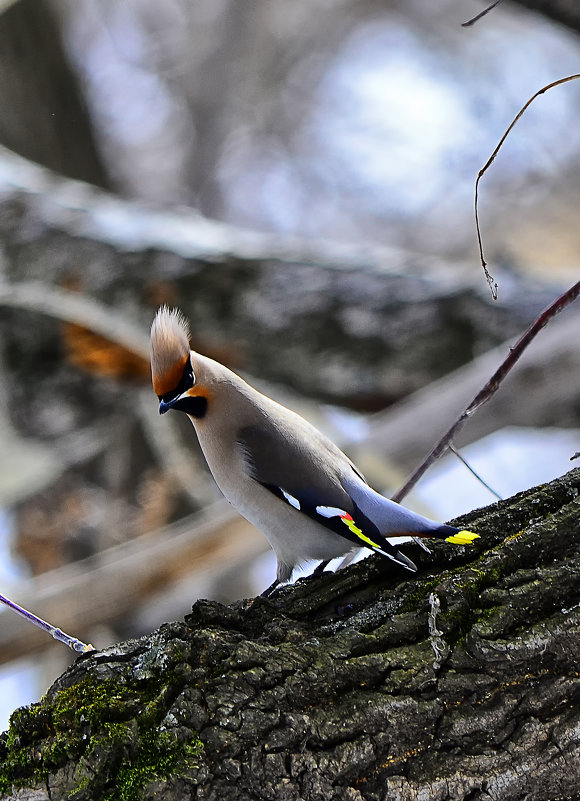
[{"x": 334, "y": 689}]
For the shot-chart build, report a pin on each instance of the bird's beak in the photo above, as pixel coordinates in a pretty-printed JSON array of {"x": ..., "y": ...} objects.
[{"x": 165, "y": 406}]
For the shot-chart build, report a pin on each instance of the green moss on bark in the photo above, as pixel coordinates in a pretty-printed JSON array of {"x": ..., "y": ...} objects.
[{"x": 115, "y": 734}]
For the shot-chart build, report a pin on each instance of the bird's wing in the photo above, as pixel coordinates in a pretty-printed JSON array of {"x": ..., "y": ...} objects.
[{"x": 298, "y": 473}]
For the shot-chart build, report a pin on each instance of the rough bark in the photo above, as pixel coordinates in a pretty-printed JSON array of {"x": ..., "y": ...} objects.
[{"x": 458, "y": 683}]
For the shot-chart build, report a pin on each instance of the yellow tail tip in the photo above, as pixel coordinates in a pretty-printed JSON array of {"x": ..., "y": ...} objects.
[{"x": 462, "y": 538}]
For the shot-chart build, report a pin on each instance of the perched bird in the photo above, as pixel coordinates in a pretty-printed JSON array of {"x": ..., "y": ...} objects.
[{"x": 276, "y": 469}]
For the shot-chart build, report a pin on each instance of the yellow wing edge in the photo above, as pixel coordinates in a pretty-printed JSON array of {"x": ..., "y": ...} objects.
[{"x": 462, "y": 538}]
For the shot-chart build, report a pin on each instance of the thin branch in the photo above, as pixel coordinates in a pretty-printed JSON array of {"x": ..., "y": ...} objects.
[
  {"x": 491, "y": 387},
  {"x": 488, "y": 277},
  {"x": 77, "y": 645},
  {"x": 481, "y": 14},
  {"x": 464, "y": 461}
]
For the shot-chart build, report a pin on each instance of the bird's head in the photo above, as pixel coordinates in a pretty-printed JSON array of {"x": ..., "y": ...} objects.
[{"x": 172, "y": 371}]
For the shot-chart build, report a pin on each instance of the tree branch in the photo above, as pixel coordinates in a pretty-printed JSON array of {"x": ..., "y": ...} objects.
[
  {"x": 491, "y": 386},
  {"x": 333, "y": 690}
]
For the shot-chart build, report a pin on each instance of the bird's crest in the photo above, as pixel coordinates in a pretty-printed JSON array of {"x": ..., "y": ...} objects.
[{"x": 169, "y": 349}]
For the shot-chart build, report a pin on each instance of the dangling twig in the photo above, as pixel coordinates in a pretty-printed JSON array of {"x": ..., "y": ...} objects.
[
  {"x": 464, "y": 461},
  {"x": 488, "y": 277}
]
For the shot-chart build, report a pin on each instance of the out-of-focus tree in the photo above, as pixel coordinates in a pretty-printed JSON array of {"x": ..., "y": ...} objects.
[
  {"x": 44, "y": 114},
  {"x": 349, "y": 121}
]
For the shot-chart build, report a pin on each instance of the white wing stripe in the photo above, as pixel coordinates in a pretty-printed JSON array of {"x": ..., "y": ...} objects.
[
  {"x": 330, "y": 511},
  {"x": 291, "y": 499}
]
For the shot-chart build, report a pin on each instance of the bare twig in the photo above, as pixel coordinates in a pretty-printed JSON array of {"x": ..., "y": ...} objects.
[
  {"x": 72, "y": 642},
  {"x": 184, "y": 560},
  {"x": 489, "y": 278},
  {"x": 464, "y": 461},
  {"x": 491, "y": 386},
  {"x": 481, "y": 14}
]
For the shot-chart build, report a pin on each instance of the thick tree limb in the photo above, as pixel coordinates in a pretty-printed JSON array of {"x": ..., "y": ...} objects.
[
  {"x": 458, "y": 683},
  {"x": 362, "y": 326}
]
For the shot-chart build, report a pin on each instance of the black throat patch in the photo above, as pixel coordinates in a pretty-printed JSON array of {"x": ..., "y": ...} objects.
[{"x": 196, "y": 406}]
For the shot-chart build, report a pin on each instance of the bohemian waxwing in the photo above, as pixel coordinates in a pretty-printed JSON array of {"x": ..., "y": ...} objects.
[{"x": 277, "y": 470}]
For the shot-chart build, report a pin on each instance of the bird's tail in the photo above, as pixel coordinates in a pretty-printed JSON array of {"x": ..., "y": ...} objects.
[{"x": 451, "y": 534}]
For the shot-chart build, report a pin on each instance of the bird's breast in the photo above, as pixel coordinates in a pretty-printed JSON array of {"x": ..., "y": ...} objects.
[{"x": 294, "y": 536}]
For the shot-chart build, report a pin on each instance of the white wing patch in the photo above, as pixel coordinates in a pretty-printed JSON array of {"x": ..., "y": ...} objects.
[
  {"x": 330, "y": 511},
  {"x": 291, "y": 499}
]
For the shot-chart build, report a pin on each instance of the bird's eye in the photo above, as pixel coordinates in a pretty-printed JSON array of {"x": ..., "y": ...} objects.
[
  {"x": 188, "y": 377},
  {"x": 186, "y": 382}
]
